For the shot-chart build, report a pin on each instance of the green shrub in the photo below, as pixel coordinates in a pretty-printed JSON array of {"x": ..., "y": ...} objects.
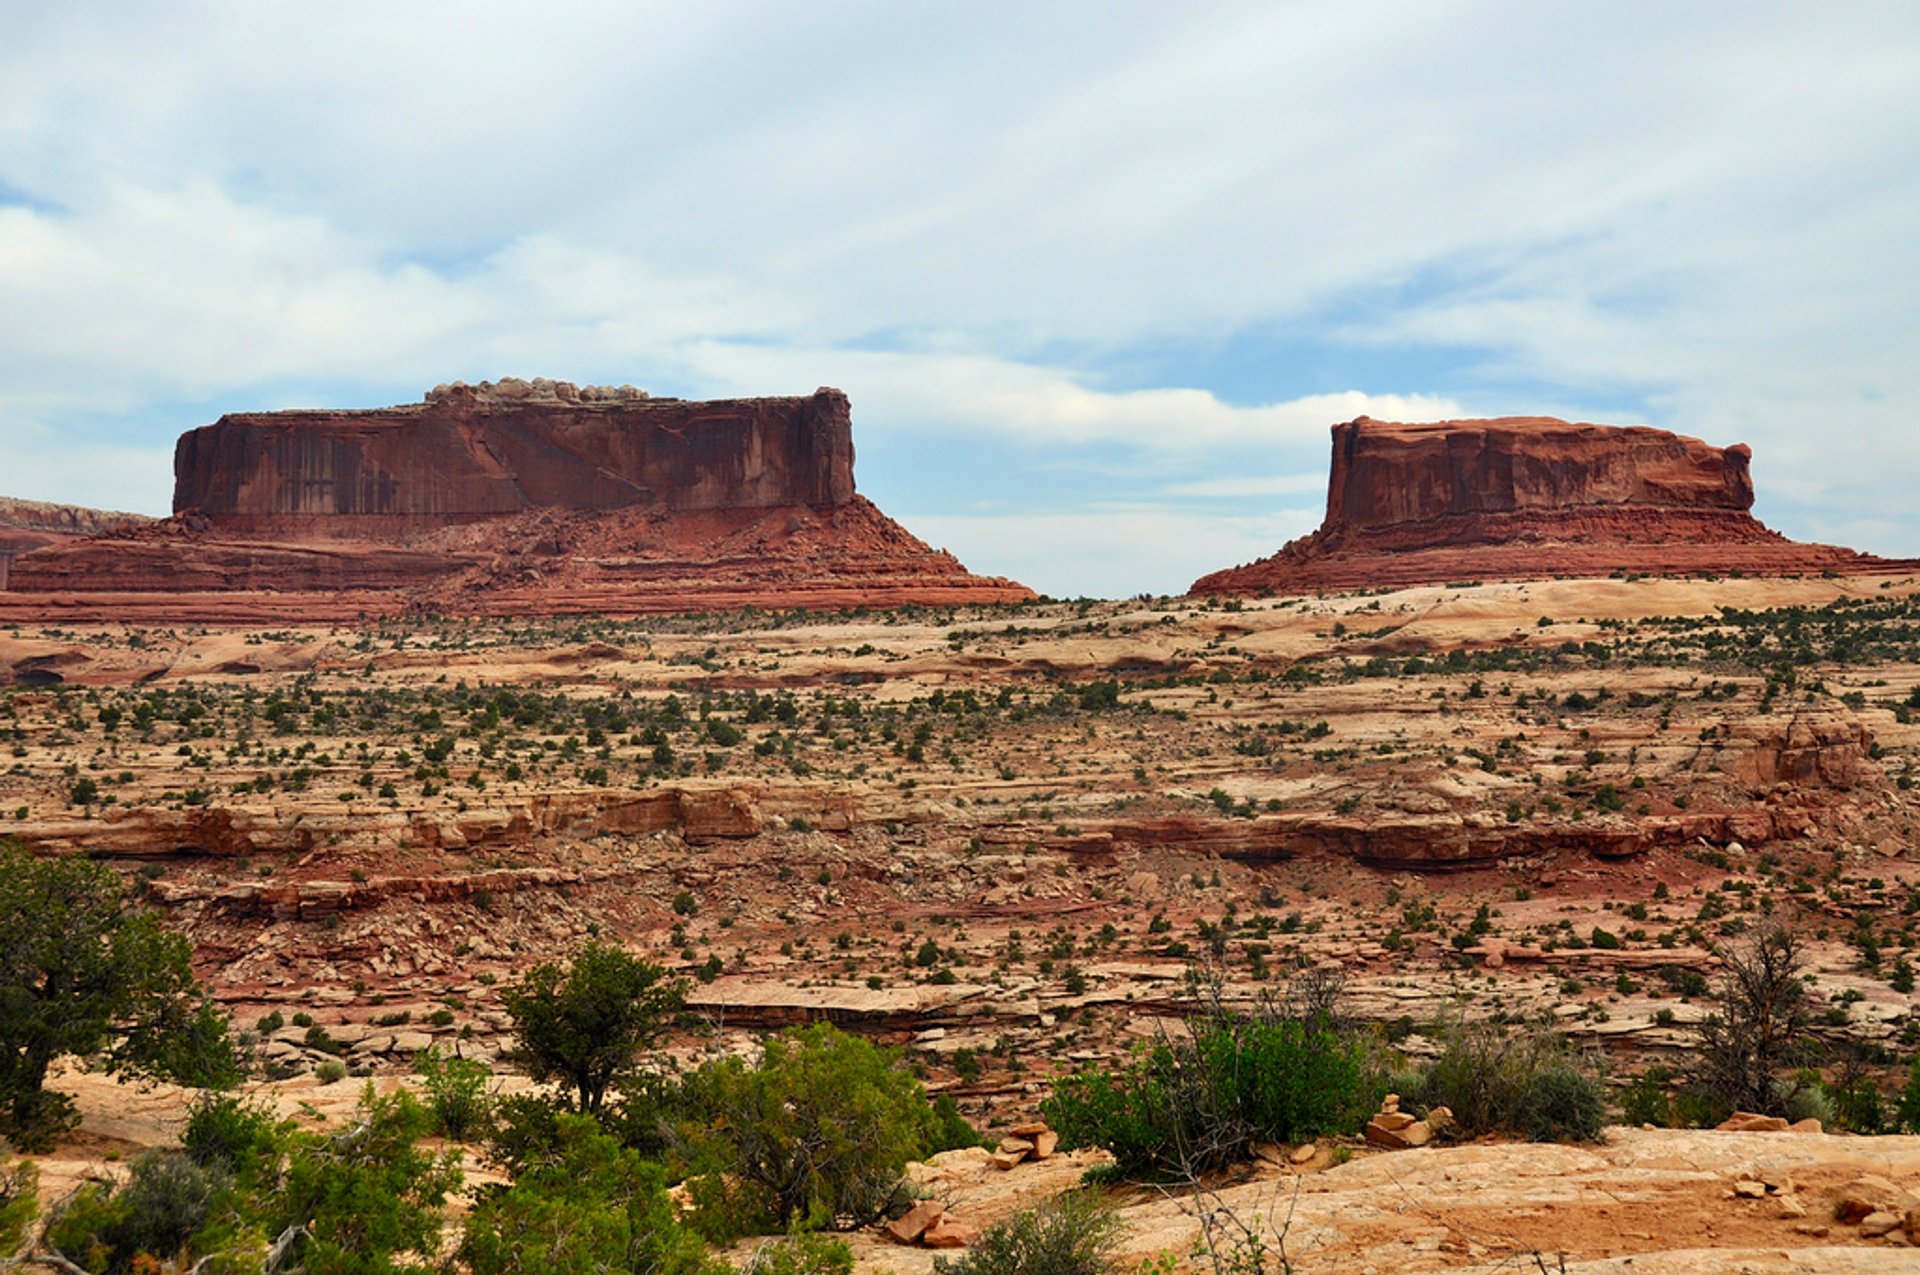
[
  {"x": 590, "y": 1206},
  {"x": 456, "y": 1094},
  {"x": 19, "y": 1205},
  {"x": 1497, "y": 1079},
  {"x": 816, "y": 1132},
  {"x": 331, "y": 1071},
  {"x": 800, "y": 1254},
  {"x": 1563, "y": 1104},
  {"x": 951, "y": 1131},
  {"x": 1202, "y": 1100},
  {"x": 1073, "y": 1234},
  {"x": 1645, "y": 1100},
  {"x": 165, "y": 1201}
]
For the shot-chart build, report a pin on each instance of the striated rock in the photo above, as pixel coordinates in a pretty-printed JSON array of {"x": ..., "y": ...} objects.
[
  {"x": 466, "y": 455},
  {"x": 1525, "y": 497},
  {"x": 510, "y": 499}
]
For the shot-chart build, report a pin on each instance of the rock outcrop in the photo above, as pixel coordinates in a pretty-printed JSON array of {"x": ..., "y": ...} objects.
[
  {"x": 521, "y": 497},
  {"x": 472, "y": 453},
  {"x": 1529, "y": 497},
  {"x": 26, "y": 525}
]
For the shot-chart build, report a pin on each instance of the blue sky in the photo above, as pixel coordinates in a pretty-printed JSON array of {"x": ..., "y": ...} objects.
[{"x": 1096, "y": 276}]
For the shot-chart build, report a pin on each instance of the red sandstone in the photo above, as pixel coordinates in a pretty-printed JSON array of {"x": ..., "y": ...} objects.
[
  {"x": 521, "y": 498},
  {"x": 1529, "y": 497}
]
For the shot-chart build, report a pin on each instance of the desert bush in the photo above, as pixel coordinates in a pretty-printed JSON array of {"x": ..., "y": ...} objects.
[
  {"x": 19, "y": 1205},
  {"x": 816, "y": 1132},
  {"x": 1073, "y": 1234},
  {"x": 800, "y": 1253},
  {"x": 330, "y": 1071},
  {"x": 588, "y": 1206},
  {"x": 456, "y": 1094},
  {"x": 164, "y": 1202},
  {"x": 951, "y": 1131},
  {"x": 232, "y": 1134},
  {"x": 1494, "y": 1078},
  {"x": 1201, "y": 1099},
  {"x": 1761, "y": 1023}
]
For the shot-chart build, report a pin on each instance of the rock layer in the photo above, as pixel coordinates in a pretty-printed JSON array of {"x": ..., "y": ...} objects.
[
  {"x": 518, "y": 498},
  {"x": 468, "y": 454},
  {"x": 1524, "y": 497}
]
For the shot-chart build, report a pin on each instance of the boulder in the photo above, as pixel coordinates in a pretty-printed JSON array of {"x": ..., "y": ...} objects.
[
  {"x": 1751, "y": 1122},
  {"x": 911, "y": 1225},
  {"x": 948, "y": 1233}
]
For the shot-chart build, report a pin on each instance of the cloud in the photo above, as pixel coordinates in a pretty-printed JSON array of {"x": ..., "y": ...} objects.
[
  {"x": 1141, "y": 250},
  {"x": 1109, "y": 553}
]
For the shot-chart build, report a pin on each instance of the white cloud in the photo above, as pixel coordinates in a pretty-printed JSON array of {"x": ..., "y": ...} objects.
[
  {"x": 974, "y": 218},
  {"x": 1109, "y": 553}
]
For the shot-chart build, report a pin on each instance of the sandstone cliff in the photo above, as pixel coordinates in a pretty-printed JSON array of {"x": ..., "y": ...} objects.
[
  {"x": 521, "y": 497},
  {"x": 1525, "y": 497},
  {"x": 471, "y": 453}
]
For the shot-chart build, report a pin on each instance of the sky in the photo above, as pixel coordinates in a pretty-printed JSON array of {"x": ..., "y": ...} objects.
[{"x": 1096, "y": 277}]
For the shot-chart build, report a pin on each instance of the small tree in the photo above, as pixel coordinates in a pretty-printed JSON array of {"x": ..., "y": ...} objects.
[
  {"x": 588, "y": 1023},
  {"x": 1762, "y": 1020},
  {"x": 815, "y": 1134},
  {"x": 85, "y": 973}
]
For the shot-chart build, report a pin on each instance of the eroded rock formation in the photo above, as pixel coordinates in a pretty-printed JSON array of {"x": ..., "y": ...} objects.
[
  {"x": 516, "y": 497},
  {"x": 1531, "y": 496},
  {"x": 473, "y": 453},
  {"x": 34, "y": 524}
]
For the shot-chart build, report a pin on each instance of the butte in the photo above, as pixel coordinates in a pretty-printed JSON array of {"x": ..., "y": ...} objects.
[
  {"x": 517, "y": 498},
  {"x": 1530, "y": 497}
]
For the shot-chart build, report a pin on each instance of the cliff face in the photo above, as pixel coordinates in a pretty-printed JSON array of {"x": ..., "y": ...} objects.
[
  {"x": 1386, "y": 474},
  {"x": 521, "y": 498},
  {"x": 472, "y": 453},
  {"x": 1531, "y": 496}
]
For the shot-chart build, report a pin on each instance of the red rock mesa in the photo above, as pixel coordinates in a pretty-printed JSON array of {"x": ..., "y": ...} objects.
[
  {"x": 1527, "y": 497},
  {"x": 522, "y": 497}
]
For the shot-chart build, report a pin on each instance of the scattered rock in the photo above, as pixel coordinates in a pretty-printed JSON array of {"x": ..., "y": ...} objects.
[
  {"x": 915, "y": 1222},
  {"x": 1304, "y": 1152},
  {"x": 1752, "y": 1122}
]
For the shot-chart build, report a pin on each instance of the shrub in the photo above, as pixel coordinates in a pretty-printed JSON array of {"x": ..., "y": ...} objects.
[
  {"x": 589, "y": 1206},
  {"x": 1496, "y": 1079},
  {"x": 456, "y": 1094},
  {"x": 232, "y": 1134},
  {"x": 331, "y": 1071},
  {"x": 1762, "y": 1020},
  {"x": 816, "y": 1132},
  {"x": 1201, "y": 1100},
  {"x": 1073, "y": 1234},
  {"x": 800, "y": 1254},
  {"x": 951, "y": 1131},
  {"x": 166, "y": 1199},
  {"x": 19, "y": 1205},
  {"x": 1563, "y": 1104}
]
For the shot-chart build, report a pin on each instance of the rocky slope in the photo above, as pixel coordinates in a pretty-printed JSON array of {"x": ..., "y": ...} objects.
[
  {"x": 518, "y": 498},
  {"x": 1528, "y": 497}
]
